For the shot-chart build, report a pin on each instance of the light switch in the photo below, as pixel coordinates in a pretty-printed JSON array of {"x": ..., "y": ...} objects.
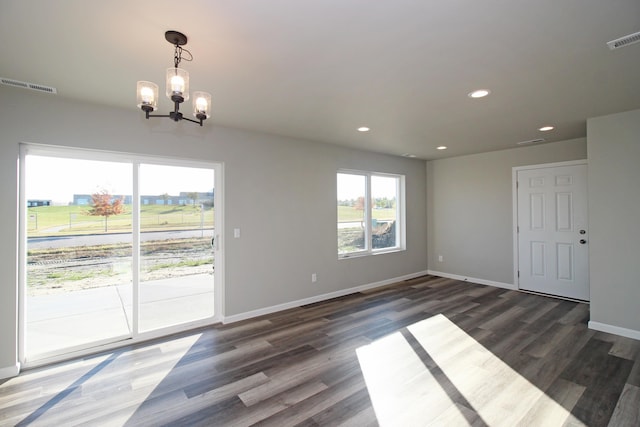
[{"x": 236, "y": 233}]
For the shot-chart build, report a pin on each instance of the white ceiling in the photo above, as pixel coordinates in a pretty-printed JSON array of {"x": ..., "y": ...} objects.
[{"x": 319, "y": 69}]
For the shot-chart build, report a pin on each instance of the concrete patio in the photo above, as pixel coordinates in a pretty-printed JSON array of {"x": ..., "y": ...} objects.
[{"x": 68, "y": 320}]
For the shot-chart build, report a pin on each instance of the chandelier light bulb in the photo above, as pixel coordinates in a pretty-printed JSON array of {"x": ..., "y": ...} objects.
[
  {"x": 146, "y": 94},
  {"x": 177, "y": 85},
  {"x": 201, "y": 105}
]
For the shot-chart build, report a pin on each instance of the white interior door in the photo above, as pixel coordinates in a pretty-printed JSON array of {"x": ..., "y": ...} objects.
[{"x": 552, "y": 230}]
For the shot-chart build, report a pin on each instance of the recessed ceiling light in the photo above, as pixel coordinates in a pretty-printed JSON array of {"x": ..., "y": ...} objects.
[
  {"x": 546, "y": 128},
  {"x": 363, "y": 129},
  {"x": 411, "y": 156},
  {"x": 442, "y": 147},
  {"x": 480, "y": 93}
]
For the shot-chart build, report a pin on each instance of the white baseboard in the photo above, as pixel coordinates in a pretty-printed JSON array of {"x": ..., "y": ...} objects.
[
  {"x": 616, "y": 330},
  {"x": 474, "y": 280},
  {"x": 317, "y": 298},
  {"x": 10, "y": 371}
]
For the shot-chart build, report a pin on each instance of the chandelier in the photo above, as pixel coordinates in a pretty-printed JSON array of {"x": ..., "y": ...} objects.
[{"x": 177, "y": 87}]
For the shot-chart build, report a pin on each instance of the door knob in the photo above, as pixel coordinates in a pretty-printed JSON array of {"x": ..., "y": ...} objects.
[
  {"x": 583, "y": 231},
  {"x": 582, "y": 241}
]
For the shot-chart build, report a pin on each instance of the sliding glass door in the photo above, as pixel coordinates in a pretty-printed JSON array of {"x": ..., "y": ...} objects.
[
  {"x": 114, "y": 249},
  {"x": 176, "y": 254}
]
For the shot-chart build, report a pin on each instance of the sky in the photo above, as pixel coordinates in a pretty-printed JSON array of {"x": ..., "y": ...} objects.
[
  {"x": 351, "y": 186},
  {"x": 58, "y": 179}
]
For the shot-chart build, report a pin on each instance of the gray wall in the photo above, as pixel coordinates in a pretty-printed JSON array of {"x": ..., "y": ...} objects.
[
  {"x": 614, "y": 218},
  {"x": 470, "y": 208},
  {"x": 281, "y": 192}
]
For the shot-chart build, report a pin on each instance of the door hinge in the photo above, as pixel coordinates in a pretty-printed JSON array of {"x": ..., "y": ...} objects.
[
  {"x": 518, "y": 274},
  {"x": 517, "y": 228}
]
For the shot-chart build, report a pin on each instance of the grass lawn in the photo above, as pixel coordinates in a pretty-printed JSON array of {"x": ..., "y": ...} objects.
[
  {"x": 57, "y": 220},
  {"x": 349, "y": 214}
]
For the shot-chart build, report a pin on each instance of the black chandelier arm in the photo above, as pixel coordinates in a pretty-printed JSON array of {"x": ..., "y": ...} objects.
[
  {"x": 193, "y": 121},
  {"x": 156, "y": 115},
  {"x": 175, "y": 116}
]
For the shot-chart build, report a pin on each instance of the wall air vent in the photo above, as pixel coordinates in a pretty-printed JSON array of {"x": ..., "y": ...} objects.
[
  {"x": 25, "y": 85},
  {"x": 624, "y": 41},
  {"x": 532, "y": 141}
]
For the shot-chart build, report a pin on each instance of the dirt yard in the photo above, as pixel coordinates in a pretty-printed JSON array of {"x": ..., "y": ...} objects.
[{"x": 51, "y": 271}]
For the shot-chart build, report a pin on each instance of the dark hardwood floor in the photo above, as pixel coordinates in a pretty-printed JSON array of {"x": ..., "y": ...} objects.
[{"x": 429, "y": 351}]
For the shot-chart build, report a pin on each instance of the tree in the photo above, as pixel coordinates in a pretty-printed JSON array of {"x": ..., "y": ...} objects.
[
  {"x": 104, "y": 204},
  {"x": 193, "y": 196},
  {"x": 359, "y": 204}
]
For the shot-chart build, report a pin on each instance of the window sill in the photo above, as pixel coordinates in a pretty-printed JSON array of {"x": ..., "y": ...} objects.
[{"x": 366, "y": 254}]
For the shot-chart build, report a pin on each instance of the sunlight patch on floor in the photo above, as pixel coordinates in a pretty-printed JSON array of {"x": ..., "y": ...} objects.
[
  {"x": 449, "y": 378},
  {"x": 90, "y": 379},
  {"x": 402, "y": 390}
]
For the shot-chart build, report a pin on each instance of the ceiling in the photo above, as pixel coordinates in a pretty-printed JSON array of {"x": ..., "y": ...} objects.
[{"x": 319, "y": 69}]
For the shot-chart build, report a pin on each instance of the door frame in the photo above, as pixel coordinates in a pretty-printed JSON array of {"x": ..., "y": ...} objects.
[
  {"x": 514, "y": 199},
  {"x": 135, "y": 160}
]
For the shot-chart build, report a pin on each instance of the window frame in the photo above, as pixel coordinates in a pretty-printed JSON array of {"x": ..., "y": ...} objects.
[{"x": 368, "y": 214}]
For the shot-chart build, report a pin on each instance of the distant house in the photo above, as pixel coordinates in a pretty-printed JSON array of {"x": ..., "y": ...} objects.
[
  {"x": 166, "y": 200},
  {"x": 85, "y": 199},
  {"x": 184, "y": 198},
  {"x": 201, "y": 198},
  {"x": 34, "y": 203}
]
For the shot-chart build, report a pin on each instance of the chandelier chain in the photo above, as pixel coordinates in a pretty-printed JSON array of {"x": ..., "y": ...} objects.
[{"x": 177, "y": 56}]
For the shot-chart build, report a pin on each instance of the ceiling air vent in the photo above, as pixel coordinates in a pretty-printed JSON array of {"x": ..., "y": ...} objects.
[
  {"x": 25, "y": 85},
  {"x": 624, "y": 41},
  {"x": 532, "y": 141}
]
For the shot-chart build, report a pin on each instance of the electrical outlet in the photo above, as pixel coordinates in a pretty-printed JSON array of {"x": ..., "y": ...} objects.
[{"x": 314, "y": 277}]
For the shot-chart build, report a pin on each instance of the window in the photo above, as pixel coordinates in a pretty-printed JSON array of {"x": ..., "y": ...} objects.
[{"x": 370, "y": 213}]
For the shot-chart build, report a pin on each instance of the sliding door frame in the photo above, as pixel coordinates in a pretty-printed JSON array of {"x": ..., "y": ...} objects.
[{"x": 135, "y": 160}]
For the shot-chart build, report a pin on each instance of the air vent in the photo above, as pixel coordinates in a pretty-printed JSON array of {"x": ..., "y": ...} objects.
[
  {"x": 25, "y": 85},
  {"x": 532, "y": 141},
  {"x": 624, "y": 41}
]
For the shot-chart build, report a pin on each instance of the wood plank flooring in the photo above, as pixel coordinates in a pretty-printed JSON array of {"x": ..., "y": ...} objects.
[{"x": 428, "y": 351}]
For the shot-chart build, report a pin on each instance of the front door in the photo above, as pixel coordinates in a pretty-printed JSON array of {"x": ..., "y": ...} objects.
[{"x": 552, "y": 230}]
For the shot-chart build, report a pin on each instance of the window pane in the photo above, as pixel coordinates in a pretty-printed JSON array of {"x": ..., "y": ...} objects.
[
  {"x": 351, "y": 213},
  {"x": 176, "y": 260},
  {"x": 79, "y": 240},
  {"x": 384, "y": 213}
]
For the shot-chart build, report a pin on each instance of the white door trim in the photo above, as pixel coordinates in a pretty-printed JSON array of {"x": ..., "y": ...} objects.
[{"x": 514, "y": 200}]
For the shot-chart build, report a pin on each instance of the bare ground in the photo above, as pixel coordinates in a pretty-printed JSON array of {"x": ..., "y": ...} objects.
[{"x": 72, "y": 269}]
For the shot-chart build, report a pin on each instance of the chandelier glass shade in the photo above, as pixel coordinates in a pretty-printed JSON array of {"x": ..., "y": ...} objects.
[
  {"x": 177, "y": 84},
  {"x": 177, "y": 88}
]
